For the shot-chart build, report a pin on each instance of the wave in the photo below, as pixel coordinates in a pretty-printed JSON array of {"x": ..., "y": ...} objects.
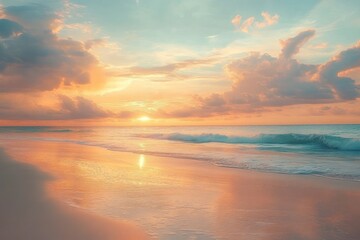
[
  {"x": 34, "y": 129},
  {"x": 324, "y": 141}
]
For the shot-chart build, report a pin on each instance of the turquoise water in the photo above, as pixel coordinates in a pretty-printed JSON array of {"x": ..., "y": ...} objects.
[{"x": 326, "y": 150}]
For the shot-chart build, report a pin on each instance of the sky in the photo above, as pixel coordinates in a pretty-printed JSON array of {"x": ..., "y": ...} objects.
[{"x": 179, "y": 62}]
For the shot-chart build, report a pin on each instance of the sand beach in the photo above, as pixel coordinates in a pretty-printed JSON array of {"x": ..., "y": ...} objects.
[{"x": 56, "y": 190}]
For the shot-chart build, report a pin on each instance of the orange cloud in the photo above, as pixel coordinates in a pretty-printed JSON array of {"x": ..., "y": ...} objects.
[
  {"x": 247, "y": 24},
  {"x": 250, "y": 22},
  {"x": 268, "y": 20},
  {"x": 262, "y": 82},
  {"x": 236, "y": 20},
  {"x": 169, "y": 70},
  {"x": 58, "y": 107}
]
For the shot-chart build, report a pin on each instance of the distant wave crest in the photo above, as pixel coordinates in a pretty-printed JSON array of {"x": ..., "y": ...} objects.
[
  {"x": 325, "y": 141},
  {"x": 34, "y": 129}
]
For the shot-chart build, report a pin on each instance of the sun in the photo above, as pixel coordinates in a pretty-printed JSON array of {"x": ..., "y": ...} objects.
[{"x": 144, "y": 119}]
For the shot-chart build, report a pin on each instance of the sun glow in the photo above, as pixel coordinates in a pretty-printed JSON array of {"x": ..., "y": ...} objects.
[{"x": 144, "y": 119}]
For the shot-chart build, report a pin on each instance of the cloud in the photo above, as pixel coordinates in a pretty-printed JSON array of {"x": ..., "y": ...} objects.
[
  {"x": 80, "y": 108},
  {"x": 34, "y": 58},
  {"x": 169, "y": 71},
  {"x": 9, "y": 28},
  {"x": 292, "y": 46},
  {"x": 247, "y": 24},
  {"x": 268, "y": 20},
  {"x": 35, "y": 61},
  {"x": 35, "y": 17},
  {"x": 262, "y": 82},
  {"x": 15, "y": 107},
  {"x": 250, "y": 22},
  {"x": 236, "y": 20},
  {"x": 343, "y": 87},
  {"x": 89, "y": 44}
]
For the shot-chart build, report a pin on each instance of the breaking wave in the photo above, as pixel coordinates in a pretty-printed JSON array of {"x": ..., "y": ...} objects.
[{"x": 324, "y": 141}]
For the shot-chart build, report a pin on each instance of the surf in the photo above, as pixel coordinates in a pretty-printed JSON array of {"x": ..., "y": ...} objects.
[{"x": 320, "y": 140}]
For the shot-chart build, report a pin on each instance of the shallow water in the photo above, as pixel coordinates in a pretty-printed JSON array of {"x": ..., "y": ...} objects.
[{"x": 326, "y": 150}]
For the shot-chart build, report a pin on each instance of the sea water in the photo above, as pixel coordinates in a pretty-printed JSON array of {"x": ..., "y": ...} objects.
[{"x": 325, "y": 150}]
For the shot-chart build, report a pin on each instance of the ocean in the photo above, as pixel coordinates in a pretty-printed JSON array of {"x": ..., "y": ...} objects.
[{"x": 322, "y": 150}]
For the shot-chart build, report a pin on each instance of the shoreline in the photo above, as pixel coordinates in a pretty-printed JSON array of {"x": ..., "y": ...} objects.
[
  {"x": 160, "y": 155},
  {"x": 225, "y": 203}
]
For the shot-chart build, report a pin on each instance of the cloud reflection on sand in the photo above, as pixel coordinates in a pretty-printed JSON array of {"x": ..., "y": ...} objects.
[{"x": 27, "y": 212}]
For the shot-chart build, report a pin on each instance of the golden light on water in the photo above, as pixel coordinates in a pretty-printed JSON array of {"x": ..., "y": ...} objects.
[{"x": 141, "y": 161}]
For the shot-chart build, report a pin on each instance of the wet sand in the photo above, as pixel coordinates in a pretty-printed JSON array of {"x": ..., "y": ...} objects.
[
  {"x": 50, "y": 189},
  {"x": 27, "y": 212}
]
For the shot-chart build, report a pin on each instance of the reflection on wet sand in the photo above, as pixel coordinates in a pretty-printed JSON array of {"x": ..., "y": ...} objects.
[
  {"x": 282, "y": 207},
  {"x": 183, "y": 199},
  {"x": 28, "y": 213}
]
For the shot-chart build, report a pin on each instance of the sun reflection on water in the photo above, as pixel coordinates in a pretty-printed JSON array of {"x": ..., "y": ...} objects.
[{"x": 141, "y": 161}]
